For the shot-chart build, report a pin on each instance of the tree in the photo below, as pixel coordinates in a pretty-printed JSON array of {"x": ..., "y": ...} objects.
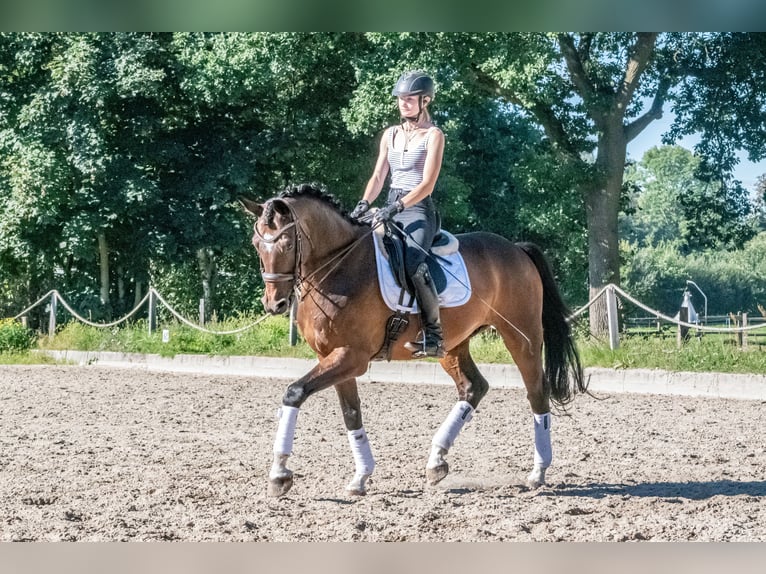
[
  {"x": 592, "y": 93},
  {"x": 674, "y": 205},
  {"x": 130, "y": 150}
]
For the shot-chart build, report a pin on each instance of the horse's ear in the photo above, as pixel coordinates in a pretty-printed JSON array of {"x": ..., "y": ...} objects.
[{"x": 251, "y": 206}]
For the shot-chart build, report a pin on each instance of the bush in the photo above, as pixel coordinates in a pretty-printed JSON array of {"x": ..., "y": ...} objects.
[{"x": 14, "y": 337}]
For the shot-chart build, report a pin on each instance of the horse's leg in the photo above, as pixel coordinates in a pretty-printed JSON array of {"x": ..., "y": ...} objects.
[
  {"x": 342, "y": 364},
  {"x": 471, "y": 387},
  {"x": 528, "y": 359},
  {"x": 357, "y": 437}
]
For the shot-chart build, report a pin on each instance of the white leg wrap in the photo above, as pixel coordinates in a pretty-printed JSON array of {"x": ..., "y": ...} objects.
[
  {"x": 360, "y": 448},
  {"x": 460, "y": 414},
  {"x": 283, "y": 441},
  {"x": 543, "y": 450}
]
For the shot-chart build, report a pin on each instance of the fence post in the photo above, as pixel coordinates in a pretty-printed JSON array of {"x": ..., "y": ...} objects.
[
  {"x": 683, "y": 331},
  {"x": 293, "y": 326},
  {"x": 737, "y": 324},
  {"x": 202, "y": 312},
  {"x": 152, "y": 312},
  {"x": 52, "y": 317},
  {"x": 25, "y": 322},
  {"x": 611, "y": 318},
  {"x": 744, "y": 333}
]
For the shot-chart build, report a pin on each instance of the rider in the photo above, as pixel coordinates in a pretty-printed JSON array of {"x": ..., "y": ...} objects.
[{"x": 412, "y": 152}]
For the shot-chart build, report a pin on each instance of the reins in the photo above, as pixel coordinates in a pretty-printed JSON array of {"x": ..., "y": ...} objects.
[{"x": 339, "y": 257}]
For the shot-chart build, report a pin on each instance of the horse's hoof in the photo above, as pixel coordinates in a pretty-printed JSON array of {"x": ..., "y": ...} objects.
[
  {"x": 436, "y": 474},
  {"x": 536, "y": 478},
  {"x": 355, "y": 491},
  {"x": 279, "y": 486},
  {"x": 358, "y": 485}
]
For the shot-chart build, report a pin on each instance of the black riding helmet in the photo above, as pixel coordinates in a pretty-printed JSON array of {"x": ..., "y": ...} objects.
[{"x": 414, "y": 83}]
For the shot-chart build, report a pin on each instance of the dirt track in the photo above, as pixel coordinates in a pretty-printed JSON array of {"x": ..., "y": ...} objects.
[{"x": 96, "y": 454}]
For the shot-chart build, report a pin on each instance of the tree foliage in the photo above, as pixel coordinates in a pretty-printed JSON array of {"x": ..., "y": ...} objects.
[
  {"x": 122, "y": 154},
  {"x": 590, "y": 94},
  {"x": 674, "y": 205}
]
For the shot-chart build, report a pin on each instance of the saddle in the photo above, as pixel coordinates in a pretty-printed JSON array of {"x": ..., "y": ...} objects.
[{"x": 389, "y": 239}]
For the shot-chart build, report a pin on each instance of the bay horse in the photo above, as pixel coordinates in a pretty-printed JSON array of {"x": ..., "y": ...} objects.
[{"x": 310, "y": 249}]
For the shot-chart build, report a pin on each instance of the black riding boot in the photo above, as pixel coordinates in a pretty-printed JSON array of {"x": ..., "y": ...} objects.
[{"x": 430, "y": 341}]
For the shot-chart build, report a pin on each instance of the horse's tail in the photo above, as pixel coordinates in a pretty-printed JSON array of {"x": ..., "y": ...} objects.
[{"x": 563, "y": 369}]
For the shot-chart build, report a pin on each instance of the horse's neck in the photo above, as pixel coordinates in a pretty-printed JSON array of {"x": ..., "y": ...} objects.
[{"x": 330, "y": 235}]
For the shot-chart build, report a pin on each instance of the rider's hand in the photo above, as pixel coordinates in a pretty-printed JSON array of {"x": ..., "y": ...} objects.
[
  {"x": 361, "y": 208},
  {"x": 387, "y": 212}
]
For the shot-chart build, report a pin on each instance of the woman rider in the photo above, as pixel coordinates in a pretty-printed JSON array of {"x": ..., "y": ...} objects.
[{"x": 412, "y": 153}]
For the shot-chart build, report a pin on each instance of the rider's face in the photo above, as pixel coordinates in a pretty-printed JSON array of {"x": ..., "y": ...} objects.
[{"x": 408, "y": 105}]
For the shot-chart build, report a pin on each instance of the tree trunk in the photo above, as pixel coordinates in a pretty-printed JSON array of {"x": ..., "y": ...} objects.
[
  {"x": 103, "y": 252},
  {"x": 138, "y": 294},
  {"x": 207, "y": 267},
  {"x": 121, "y": 288},
  {"x": 602, "y": 209}
]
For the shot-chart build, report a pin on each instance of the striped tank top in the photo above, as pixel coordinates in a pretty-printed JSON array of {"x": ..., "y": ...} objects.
[{"x": 407, "y": 166}]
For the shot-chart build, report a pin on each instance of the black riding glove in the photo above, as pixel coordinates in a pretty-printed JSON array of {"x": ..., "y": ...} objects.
[
  {"x": 387, "y": 212},
  {"x": 361, "y": 208}
]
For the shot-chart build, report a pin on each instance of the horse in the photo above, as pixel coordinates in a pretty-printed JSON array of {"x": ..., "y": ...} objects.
[{"x": 311, "y": 250}]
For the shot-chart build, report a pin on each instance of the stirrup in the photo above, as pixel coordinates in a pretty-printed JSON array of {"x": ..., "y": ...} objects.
[{"x": 424, "y": 349}]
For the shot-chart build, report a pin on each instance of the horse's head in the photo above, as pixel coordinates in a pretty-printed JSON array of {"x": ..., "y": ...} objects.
[
  {"x": 276, "y": 241},
  {"x": 296, "y": 234}
]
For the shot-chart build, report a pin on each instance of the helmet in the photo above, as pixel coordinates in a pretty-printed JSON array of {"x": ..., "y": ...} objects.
[{"x": 414, "y": 83}]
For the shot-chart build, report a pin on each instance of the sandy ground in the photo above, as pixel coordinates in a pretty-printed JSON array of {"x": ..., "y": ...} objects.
[{"x": 98, "y": 454}]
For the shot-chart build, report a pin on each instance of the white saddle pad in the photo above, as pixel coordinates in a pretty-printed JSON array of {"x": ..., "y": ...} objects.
[{"x": 456, "y": 293}]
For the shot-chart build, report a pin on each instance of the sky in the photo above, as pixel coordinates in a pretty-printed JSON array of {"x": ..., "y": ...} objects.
[{"x": 746, "y": 171}]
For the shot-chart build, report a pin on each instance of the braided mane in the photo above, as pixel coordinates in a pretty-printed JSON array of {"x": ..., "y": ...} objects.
[{"x": 316, "y": 191}]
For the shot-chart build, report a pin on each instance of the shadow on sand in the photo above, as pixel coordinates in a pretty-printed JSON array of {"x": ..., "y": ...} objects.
[{"x": 687, "y": 490}]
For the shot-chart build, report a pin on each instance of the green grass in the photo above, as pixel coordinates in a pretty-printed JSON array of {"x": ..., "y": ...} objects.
[
  {"x": 709, "y": 353},
  {"x": 269, "y": 338},
  {"x": 25, "y": 358}
]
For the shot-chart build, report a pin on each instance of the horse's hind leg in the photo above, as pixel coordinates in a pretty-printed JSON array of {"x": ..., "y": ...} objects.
[
  {"x": 471, "y": 387},
  {"x": 528, "y": 359},
  {"x": 357, "y": 437}
]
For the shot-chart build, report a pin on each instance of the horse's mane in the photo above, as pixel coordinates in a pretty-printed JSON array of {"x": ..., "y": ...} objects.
[{"x": 315, "y": 191}]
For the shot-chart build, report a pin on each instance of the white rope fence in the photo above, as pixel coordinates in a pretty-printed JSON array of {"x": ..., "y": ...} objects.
[
  {"x": 56, "y": 297},
  {"x": 193, "y": 326},
  {"x": 608, "y": 290},
  {"x": 683, "y": 323}
]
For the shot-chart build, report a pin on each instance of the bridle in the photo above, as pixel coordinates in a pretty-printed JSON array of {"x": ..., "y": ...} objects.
[
  {"x": 296, "y": 276},
  {"x": 272, "y": 239}
]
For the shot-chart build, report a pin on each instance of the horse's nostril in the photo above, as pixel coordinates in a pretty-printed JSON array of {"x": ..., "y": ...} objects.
[{"x": 280, "y": 307}]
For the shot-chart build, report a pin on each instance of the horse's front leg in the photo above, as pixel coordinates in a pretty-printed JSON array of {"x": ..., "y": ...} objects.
[
  {"x": 342, "y": 364},
  {"x": 357, "y": 437}
]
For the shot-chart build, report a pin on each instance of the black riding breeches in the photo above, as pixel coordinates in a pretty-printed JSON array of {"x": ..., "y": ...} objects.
[{"x": 421, "y": 224}]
